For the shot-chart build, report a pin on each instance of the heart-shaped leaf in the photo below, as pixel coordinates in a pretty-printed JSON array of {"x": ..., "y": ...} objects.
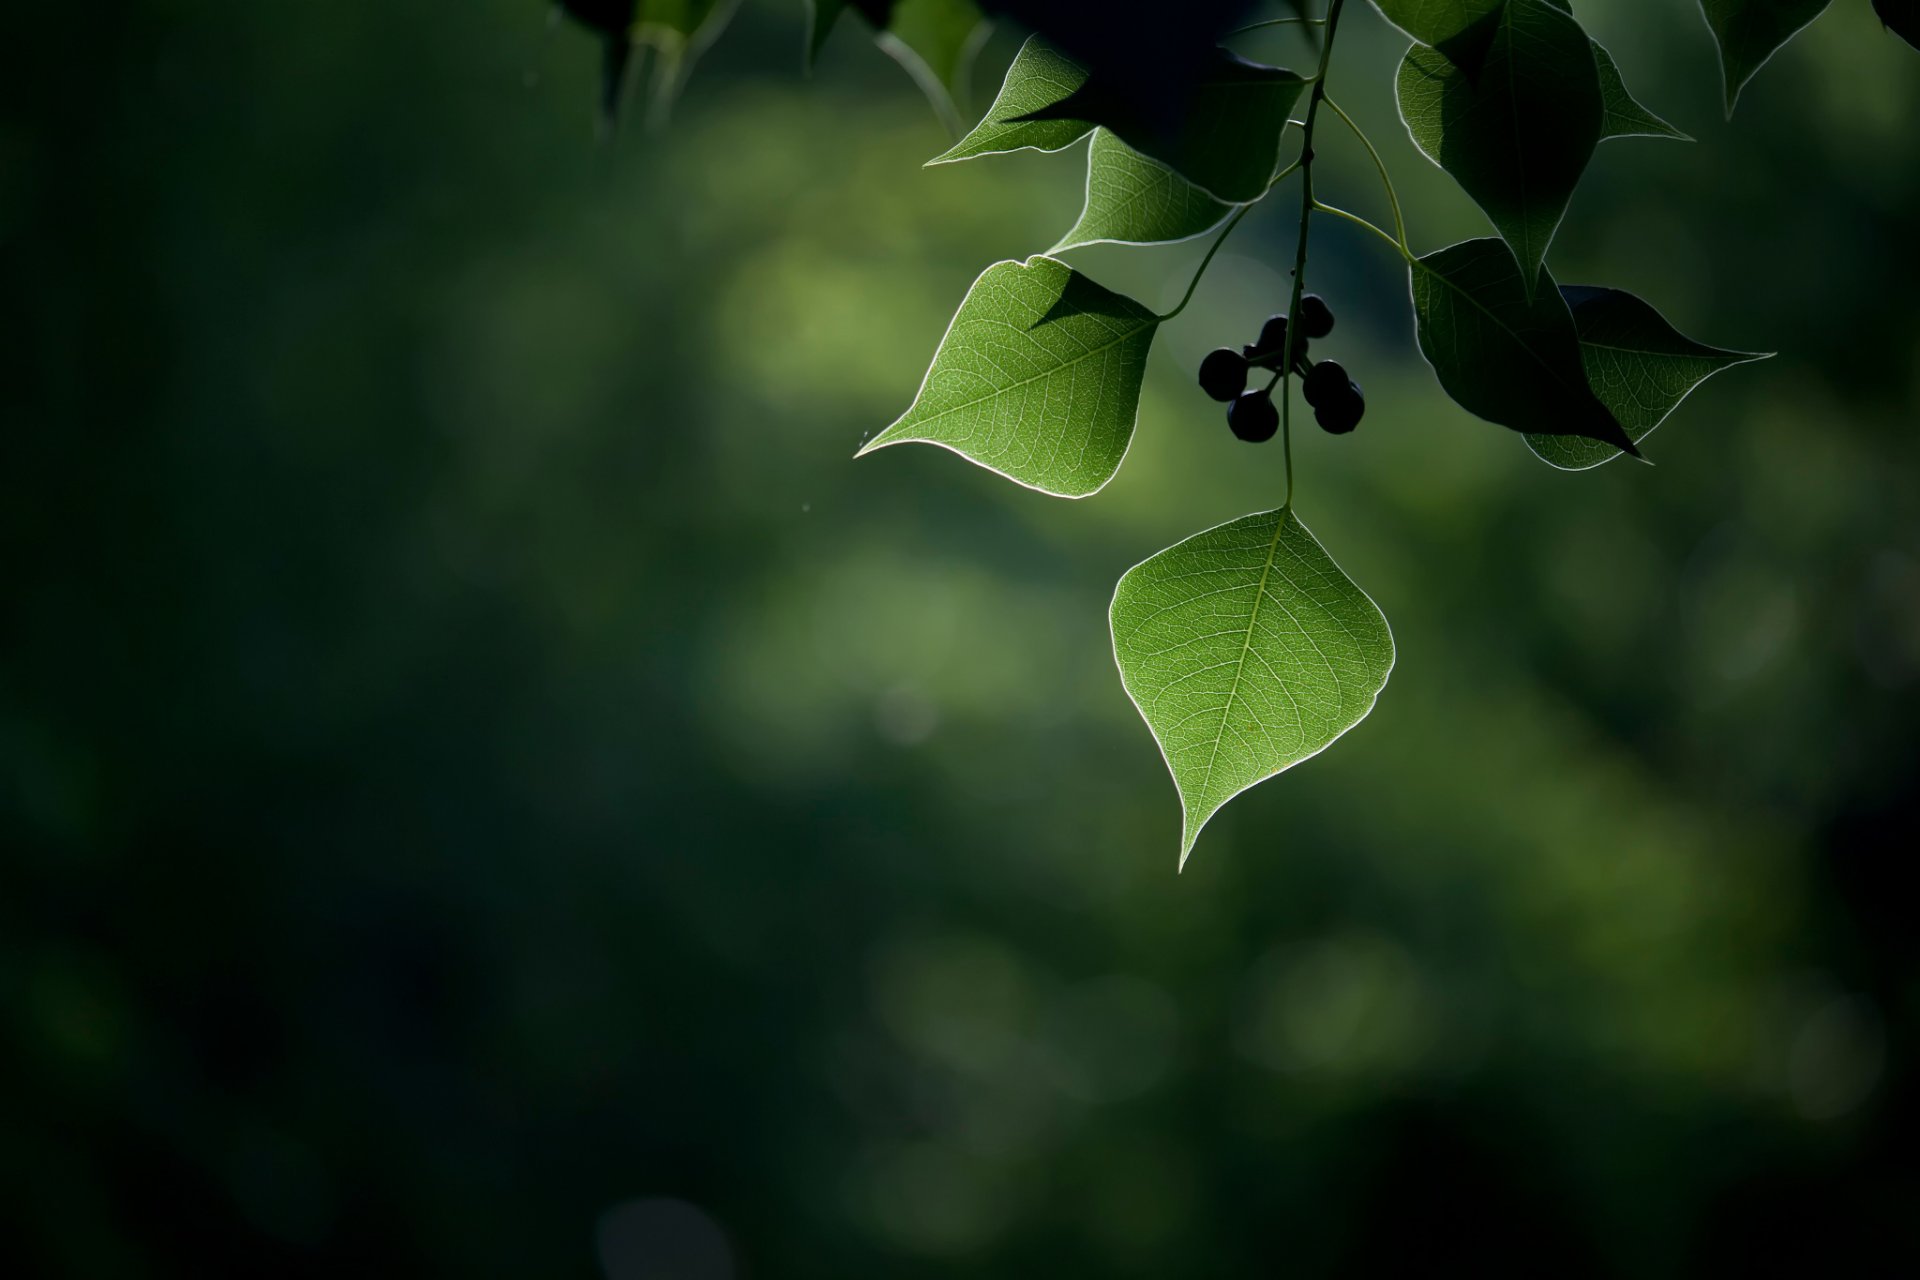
[
  {"x": 1751, "y": 31},
  {"x": 1517, "y": 134},
  {"x": 1038, "y": 77},
  {"x": 1505, "y": 352},
  {"x": 1134, "y": 200},
  {"x": 1224, "y": 138},
  {"x": 1246, "y": 650},
  {"x": 1637, "y": 363},
  {"x": 1038, "y": 379}
]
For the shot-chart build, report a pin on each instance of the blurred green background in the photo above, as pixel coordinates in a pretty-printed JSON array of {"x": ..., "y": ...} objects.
[{"x": 489, "y": 788}]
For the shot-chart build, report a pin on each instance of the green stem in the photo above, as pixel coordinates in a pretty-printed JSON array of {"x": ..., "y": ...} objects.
[
  {"x": 1393, "y": 198},
  {"x": 1221, "y": 239},
  {"x": 1319, "y": 95},
  {"x": 1399, "y": 246},
  {"x": 1275, "y": 22}
]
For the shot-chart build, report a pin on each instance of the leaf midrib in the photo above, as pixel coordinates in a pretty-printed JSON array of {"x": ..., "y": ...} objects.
[{"x": 997, "y": 392}]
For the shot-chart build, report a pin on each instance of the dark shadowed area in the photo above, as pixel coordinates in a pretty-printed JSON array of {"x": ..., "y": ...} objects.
[{"x": 489, "y": 787}]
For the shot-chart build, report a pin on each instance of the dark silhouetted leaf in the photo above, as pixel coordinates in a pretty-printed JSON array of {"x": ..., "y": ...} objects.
[
  {"x": 1246, "y": 650},
  {"x": 1638, "y": 365},
  {"x": 1459, "y": 29},
  {"x": 1902, "y": 17},
  {"x": 1504, "y": 352},
  {"x": 1518, "y": 134},
  {"x": 1751, "y": 31},
  {"x": 1038, "y": 379}
]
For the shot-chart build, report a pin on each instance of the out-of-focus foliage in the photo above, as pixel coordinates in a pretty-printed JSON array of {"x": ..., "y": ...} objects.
[{"x": 488, "y": 788}]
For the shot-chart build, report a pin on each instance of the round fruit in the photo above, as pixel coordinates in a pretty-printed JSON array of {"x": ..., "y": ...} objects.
[
  {"x": 1316, "y": 318},
  {"x": 1223, "y": 374},
  {"x": 1253, "y": 417},
  {"x": 1342, "y": 413},
  {"x": 1324, "y": 381},
  {"x": 1273, "y": 337}
]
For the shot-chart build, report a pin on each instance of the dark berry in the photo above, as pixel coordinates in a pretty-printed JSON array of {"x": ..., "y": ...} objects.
[
  {"x": 1323, "y": 382},
  {"x": 1223, "y": 374},
  {"x": 1316, "y": 318},
  {"x": 1273, "y": 337},
  {"x": 1253, "y": 417},
  {"x": 1341, "y": 413}
]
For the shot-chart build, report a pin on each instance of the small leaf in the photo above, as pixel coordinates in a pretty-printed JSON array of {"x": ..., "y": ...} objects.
[
  {"x": 1038, "y": 379},
  {"x": 1038, "y": 77},
  {"x": 1505, "y": 352},
  {"x": 1246, "y": 650},
  {"x": 1134, "y": 200},
  {"x": 1751, "y": 31},
  {"x": 935, "y": 41},
  {"x": 1517, "y": 134},
  {"x": 1625, "y": 117},
  {"x": 1224, "y": 139},
  {"x": 1638, "y": 365},
  {"x": 1902, "y": 17},
  {"x": 1459, "y": 29}
]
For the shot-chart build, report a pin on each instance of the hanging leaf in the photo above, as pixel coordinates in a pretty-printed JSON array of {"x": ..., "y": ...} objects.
[
  {"x": 1134, "y": 200},
  {"x": 821, "y": 17},
  {"x": 1517, "y": 134},
  {"x": 1902, "y": 17},
  {"x": 1638, "y": 365},
  {"x": 1459, "y": 29},
  {"x": 1246, "y": 650},
  {"x": 1225, "y": 138},
  {"x": 1751, "y": 31},
  {"x": 1038, "y": 379},
  {"x": 933, "y": 40},
  {"x": 1038, "y": 77},
  {"x": 1624, "y": 116},
  {"x": 1505, "y": 352}
]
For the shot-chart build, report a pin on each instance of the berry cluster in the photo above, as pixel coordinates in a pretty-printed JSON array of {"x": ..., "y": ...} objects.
[{"x": 1338, "y": 404}]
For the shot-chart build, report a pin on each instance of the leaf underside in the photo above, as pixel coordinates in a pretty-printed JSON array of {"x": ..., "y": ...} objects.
[
  {"x": 1038, "y": 77},
  {"x": 1751, "y": 31},
  {"x": 1637, "y": 363},
  {"x": 1502, "y": 351},
  {"x": 1037, "y": 379},
  {"x": 1132, "y": 199},
  {"x": 1247, "y": 650},
  {"x": 1517, "y": 133}
]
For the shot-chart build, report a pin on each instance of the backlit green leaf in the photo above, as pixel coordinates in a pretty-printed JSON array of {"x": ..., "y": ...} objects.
[
  {"x": 1505, "y": 352},
  {"x": 1246, "y": 650},
  {"x": 1038, "y": 379},
  {"x": 1038, "y": 77},
  {"x": 1638, "y": 365},
  {"x": 1134, "y": 200},
  {"x": 1458, "y": 28},
  {"x": 1517, "y": 134},
  {"x": 1751, "y": 31}
]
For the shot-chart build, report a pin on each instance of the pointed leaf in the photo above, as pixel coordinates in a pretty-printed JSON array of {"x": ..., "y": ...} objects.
[
  {"x": 1038, "y": 77},
  {"x": 679, "y": 31},
  {"x": 1458, "y": 28},
  {"x": 1038, "y": 379},
  {"x": 1751, "y": 31},
  {"x": 1134, "y": 200},
  {"x": 1625, "y": 117},
  {"x": 1517, "y": 134},
  {"x": 1246, "y": 650},
  {"x": 1226, "y": 138},
  {"x": 1504, "y": 352},
  {"x": 1902, "y": 17},
  {"x": 1639, "y": 366}
]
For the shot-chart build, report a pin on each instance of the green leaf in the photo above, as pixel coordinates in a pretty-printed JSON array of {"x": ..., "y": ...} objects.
[
  {"x": 821, "y": 16},
  {"x": 1458, "y": 28},
  {"x": 1038, "y": 379},
  {"x": 935, "y": 41},
  {"x": 1505, "y": 352},
  {"x": 1038, "y": 77},
  {"x": 1638, "y": 365},
  {"x": 1902, "y": 17},
  {"x": 1517, "y": 135},
  {"x": 1225, "y": 141},
  {"x": 1134, "y": 200},
  {"x": 1625, "y": 117},
  {"x": 1751, "y": 31},
  {"x": 1246, "y": 650}
]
